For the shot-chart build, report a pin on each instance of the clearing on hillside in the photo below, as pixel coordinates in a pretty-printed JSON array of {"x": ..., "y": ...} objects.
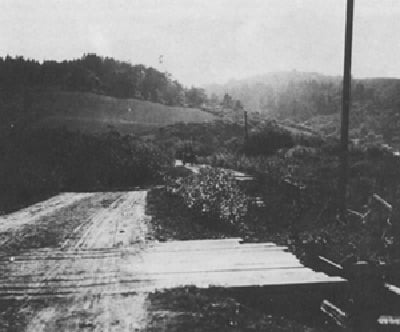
[{"x": 90, "y": 112}]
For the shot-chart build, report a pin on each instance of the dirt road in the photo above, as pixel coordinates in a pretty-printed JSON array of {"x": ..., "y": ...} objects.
[
  {"x": 73, "y": 285},
  {"x": 89, "y": 262}
]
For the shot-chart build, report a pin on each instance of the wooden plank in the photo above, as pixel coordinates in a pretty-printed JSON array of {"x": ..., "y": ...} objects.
[
  {"x": 203, "y": 279},
  {"x": 394, "y": 289},
  {"x": 334, "y": 312},
  {"x": 389, "y": 320}
]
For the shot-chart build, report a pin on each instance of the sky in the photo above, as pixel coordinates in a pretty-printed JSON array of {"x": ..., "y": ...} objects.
[{"x": 208, "y": 41}]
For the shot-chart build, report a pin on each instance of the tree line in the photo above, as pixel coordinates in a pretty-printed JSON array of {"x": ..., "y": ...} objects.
[{"x": 102, "y": 75}]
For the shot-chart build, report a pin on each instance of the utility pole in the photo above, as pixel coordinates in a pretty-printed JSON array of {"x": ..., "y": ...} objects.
[
  {"x": 346, "y": 101},
  {"x": 246, "y": 132}
]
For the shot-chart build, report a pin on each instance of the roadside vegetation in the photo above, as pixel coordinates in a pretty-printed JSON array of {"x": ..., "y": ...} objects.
[
  {"x": 37, "y": 164},
  {"x": 296, "y": 177}
]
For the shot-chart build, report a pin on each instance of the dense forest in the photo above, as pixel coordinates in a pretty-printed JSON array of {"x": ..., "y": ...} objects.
[{"x": 102, "y": 75}]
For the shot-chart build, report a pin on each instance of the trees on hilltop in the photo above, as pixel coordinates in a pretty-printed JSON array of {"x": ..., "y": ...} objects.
[{"x": 103, "y": 75}]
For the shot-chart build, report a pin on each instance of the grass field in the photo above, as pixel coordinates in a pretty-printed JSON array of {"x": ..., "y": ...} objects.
[{"x": 90, "y": 112}]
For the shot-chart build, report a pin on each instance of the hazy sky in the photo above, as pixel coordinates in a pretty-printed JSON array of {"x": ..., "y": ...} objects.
[{"x": 205, "y": 41}]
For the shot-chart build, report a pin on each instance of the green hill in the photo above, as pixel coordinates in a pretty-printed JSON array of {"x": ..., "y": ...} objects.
[{"x": 90, "y": 112}]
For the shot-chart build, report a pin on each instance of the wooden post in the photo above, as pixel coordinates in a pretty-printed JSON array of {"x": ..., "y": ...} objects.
[
  {"x": 246, "y": 133},
  {"x": 344, "y": 133}
]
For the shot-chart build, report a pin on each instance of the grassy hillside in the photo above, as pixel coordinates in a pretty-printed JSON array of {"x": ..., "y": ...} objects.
[{"x": 90, "y": 112}]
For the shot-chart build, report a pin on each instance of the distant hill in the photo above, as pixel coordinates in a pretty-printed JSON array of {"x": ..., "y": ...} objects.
[
  {"x": 90, "y": 112},
  {"x": 276, "y": 79},
  {"x": 314, "y": 100}
]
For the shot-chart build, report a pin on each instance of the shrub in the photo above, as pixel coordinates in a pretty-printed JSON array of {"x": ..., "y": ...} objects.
[{"x": 213, "y": 193}]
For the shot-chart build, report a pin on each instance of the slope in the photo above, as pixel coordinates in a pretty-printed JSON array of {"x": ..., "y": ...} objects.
[{"x": 90, "y": 112}]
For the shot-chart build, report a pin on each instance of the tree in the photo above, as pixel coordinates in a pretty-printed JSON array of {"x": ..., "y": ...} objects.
[{"x": 195, "y": 97}]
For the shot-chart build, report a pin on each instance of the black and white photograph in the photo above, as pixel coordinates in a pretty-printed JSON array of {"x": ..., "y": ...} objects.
[{"x": 199, "y": 165}]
